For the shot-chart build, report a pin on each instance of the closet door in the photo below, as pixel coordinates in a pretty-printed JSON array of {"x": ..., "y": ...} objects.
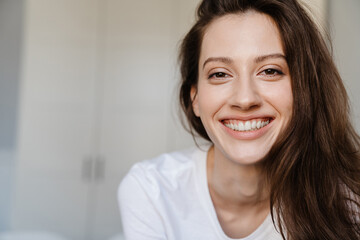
[
  {"x": 137, "y": 71},
  {"x": 56, "y": 118}
]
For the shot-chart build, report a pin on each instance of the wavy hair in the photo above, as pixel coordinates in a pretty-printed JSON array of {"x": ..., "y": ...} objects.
[{"x": 314, "y": 167}]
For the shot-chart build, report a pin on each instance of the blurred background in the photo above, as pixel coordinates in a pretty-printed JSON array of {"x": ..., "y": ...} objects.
[{"x": 88, "y": 88}]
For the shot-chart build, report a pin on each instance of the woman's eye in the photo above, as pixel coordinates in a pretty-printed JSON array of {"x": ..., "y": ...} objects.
[
  {"x": 271, "y": 72},
  {"x": 218, "y": 75}
]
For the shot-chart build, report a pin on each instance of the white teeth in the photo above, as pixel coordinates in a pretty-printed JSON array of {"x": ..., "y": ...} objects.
[
  {"x": 241, "y": 126},
  {"x": 247, "y": 126},
  {"x": 253, "y": 124}
]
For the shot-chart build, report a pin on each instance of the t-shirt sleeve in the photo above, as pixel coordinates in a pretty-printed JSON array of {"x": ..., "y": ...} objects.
[{"x": 140, "y": 218}]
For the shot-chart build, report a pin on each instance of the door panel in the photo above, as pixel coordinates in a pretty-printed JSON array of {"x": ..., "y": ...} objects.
[{"x": 56, "y": 119}]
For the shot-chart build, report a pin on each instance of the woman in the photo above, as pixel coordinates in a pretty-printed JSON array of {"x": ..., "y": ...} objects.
[{"x": 259, "y": 84}]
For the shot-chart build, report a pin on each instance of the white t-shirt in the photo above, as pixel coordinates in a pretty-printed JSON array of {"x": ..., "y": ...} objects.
[{"x": 168, "y": 198}]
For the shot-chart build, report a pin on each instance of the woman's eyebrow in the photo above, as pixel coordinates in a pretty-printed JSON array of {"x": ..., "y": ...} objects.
[
  {"x": 257, "y": 59},
  {"x": 265, "y": 57},
  {"x": 218, "y": 59}
]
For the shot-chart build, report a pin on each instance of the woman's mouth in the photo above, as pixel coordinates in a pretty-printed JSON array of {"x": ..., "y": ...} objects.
[{"x": 246, "y": 126}]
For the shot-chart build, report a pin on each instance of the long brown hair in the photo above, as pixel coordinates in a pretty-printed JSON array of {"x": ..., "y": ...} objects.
[{"x": 314, "y": 166}]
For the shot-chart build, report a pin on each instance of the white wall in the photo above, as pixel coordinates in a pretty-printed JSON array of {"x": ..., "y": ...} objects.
[
  {"x": 10, "y": 42},
  {"x": 6, "y": 187},
  {"x": 345, "y": 28},
  {"x": 318, "y": 9},
  {"x": 10, "y": 47}
]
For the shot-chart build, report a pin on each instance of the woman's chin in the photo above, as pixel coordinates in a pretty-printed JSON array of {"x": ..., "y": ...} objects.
[{"x": 247, "y": 156}]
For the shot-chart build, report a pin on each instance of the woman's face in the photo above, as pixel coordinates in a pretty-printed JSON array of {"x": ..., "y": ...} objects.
[{"x": 243, "y": 96}]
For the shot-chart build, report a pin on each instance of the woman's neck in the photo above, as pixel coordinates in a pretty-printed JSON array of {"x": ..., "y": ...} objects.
[
  {"x": 239, "y": 195},
  {"x": 234, "y": 184}
]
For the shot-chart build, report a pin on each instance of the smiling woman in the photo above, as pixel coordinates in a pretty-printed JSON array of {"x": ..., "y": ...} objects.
[
  {"x": 258, "y": 83},
  {"x": 251, "y": 87}
]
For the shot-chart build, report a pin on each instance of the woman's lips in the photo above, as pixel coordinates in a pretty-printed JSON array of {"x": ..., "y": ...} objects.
[
  {"x": 247, "y": 129},
  {"x": 248, "y": 125}
]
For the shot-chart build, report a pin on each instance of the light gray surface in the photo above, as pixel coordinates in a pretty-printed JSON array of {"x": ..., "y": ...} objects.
[
  {"x": 10, "y": 47},
  {"x": 344, "y": 22},
  {"x": 6, "y": 183},
  {"x": 30, "y": 235}
]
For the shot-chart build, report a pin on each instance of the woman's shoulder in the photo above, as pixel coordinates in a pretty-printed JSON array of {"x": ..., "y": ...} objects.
[
  {"x": 169, "y": 161},
  {"x": 170, "y": 170},
  {"x": 168, "y": 174},
  {"x": 168, "y": 165}
]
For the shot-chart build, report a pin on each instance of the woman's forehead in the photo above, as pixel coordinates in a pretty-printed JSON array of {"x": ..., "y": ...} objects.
[{"x": 241, "y": 35}]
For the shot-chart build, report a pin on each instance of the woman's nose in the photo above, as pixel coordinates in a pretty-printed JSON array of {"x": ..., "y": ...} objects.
[{"x": 245, "y": 94}]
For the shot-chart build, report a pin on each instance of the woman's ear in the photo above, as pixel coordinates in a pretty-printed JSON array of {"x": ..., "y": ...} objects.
[{"x": 194, "y": 101}]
